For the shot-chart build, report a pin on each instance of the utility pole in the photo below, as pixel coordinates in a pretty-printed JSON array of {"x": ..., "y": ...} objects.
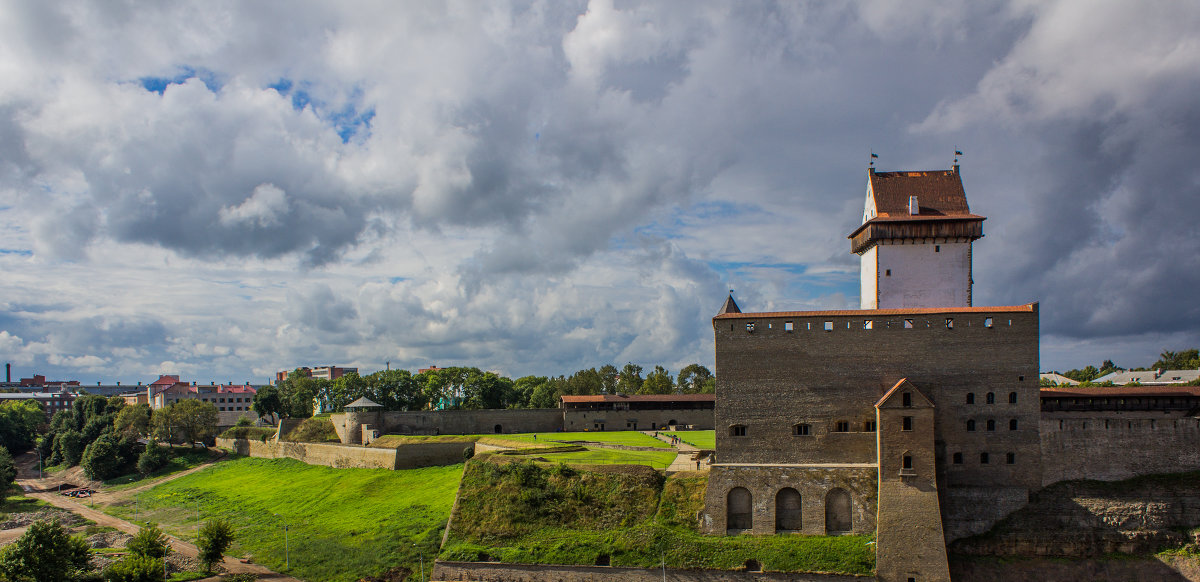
[{"x": 287, "y": 559}]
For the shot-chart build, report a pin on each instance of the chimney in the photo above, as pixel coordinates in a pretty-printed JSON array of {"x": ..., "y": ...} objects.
[
  {"x": 913, "y": 208},
  {"x": 8, "y": 372},
  {"x": 118, "y": 382}
]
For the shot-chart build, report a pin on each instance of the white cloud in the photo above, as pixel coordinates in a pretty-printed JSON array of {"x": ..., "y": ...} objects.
[{"x": 262, "y": 208}]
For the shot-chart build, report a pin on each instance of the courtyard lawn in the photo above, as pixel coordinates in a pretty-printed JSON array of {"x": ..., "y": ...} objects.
[
  {"x": 656, "y": 459},
  {"x": 343, "y": 524},
  {"x": 625, "y": 437},
  {"x": 701, "y": 439}
]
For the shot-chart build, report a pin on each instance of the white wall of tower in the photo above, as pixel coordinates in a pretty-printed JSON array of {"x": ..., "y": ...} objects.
[{"x": 925, "y": 274}]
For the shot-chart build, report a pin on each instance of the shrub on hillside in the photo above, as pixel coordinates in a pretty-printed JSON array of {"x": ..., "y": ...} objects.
[
  {"x": 68, "y": 447},
  {"x": 135, "y": 568},
  {"x": 313, "y": 430},
  {"x": 102, "y": 459},
  {"x": 249, "y": 432},
  {"x": 153, "y": 458}
]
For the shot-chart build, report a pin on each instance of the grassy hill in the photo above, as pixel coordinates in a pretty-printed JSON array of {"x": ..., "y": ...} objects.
[
  {"x": 343, "y": 523},
  {"x": 521, "y": 512}
]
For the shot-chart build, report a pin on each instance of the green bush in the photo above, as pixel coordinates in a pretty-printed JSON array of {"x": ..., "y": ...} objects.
[
  {"x": 150, "y": 542},
  {"x": 313, "y": 430},
  {"x": 102, "y": 459},
  {"x": 135, "y": 568},
  {"x": 153, "y": 458},
  {"x": 214, "y": 538},
  {"x": 68, "y": 448},
  {"x": 46, "y": 552},
  {"x": 249, "y": 432}
]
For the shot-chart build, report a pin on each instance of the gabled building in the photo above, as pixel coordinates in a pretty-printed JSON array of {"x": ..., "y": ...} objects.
[{"x": 1149, "y": 377}]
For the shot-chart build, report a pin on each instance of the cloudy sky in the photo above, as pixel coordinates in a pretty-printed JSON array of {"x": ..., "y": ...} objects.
[{"x": 226, "y": 189}]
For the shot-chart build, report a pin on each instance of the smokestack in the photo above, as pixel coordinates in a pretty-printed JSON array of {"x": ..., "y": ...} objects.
[{"x": 8, "y": 372}]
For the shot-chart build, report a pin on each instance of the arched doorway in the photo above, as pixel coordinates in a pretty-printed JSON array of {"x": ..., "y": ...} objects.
[
  {"x": 837, "y": 512},
  {"x": 787, "y": 510},
  {"x": 498, "y": 429},
  {"x": 738, "y": 509}
]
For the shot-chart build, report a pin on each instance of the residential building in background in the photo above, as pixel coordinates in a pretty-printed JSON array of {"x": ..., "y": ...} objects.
[
  {"x": 232, "y": 400},
  {"x": 319, "y": 372}
]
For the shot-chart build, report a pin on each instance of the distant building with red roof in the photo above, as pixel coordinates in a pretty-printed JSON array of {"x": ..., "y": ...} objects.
[{"x": 637, "y": 411}]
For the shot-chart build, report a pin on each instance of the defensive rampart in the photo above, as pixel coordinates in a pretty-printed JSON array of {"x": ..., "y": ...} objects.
[
  {"x": 1119, "y": 448},
  {"x": 347, "y": 456},
  {"x": 494, "y": 572},
  {"x": 432, "y": 422}
]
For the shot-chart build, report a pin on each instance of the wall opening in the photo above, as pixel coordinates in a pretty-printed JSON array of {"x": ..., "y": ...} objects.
[
  {"x": 801, "y": 430},
  {"x": 737, "y": 430},
  {"x": 738, "y": 504},
  {"x": 603, "y": 560},
  {"x": 837, "y": 512},
  {"x": 970, "y": 398},
  {"x": 497, "y": 429},
  {"x": 907, "y": 423},
  {"x": 991, "y": 398},
  {"x": 828, "y": 326},
  {"x": 1012, "y": 424},
  {"x": 752, "y": 565},
  {"x": 787, "y": 326},
  {"x": 1012, "y": 397},
  {"x": 970, "y": 426},
  {"x": 787, "y": 510},
  {"x": 906, "y": 399},
  {"x": 842, "y": 426},
  {"x": 957, "y": 458}
]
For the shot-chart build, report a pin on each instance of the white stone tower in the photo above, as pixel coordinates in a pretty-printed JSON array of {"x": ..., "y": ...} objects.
[{"x": 915, "y": 240}]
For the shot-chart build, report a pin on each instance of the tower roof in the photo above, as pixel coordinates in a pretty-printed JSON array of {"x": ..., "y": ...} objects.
[
  {"x": 730, "y": 306},
  {"x": 915, "y": 205}
]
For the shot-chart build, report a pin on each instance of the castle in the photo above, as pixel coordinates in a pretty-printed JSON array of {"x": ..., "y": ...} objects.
[{"x": 917, "y": 417}]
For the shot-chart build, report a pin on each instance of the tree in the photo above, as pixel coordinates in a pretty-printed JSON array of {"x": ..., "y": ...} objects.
[
  {"x": 396, "y": 390},
  {"x": 658, "y": 382},
  {"x": 608, "y": 379},
  {"x": 267, "y": 403},
  {"x": 150, "y": 542},
  {"x": 214, "y": 538},
  {"x": 133, "y": 419},
  {"x": 135, "y": 568},
  {"x": 1181, "y": 360},
  {"x": 197, "y": 420},
  {"x": 297, "y": 392},
  {"x": 69, "y": 447},
  {"x": 631, "y": 379},
  {"x": 102, "y": 459},
  {"x": 8, "y": 472},
  {"x": 19, "y": 422},
  {"x": 692, "y": 378},
  {"x": 153, "y": 458},
  {"x": 45, "y": 553}
]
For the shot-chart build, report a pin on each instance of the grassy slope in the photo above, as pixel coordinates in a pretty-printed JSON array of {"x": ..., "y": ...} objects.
[
  {"x": 624, "y": 437},
  {"x": 656, "y": 459},
  {"x": 344, "y": 523},
  {"x": 522, "y": 513},
  {"x": 701, "y": 439}
]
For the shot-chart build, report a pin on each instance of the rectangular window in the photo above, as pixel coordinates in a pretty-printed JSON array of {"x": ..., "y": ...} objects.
[
  {"x": 869, "y": 324},
  {"x": 987, "y": 322},
  {"x": 907, "y": 423},
  {"x": 908, "y": 324},
  {"x": 907, "y": 461},
  {"x": 787, "y": 326},
  {"x": 949, "y": 323},
  {"x": 1010, "y": 458},
  {"x": 957, "y": 458},
  {"x": 887, "y": 273},
  {"x": 983, "y": 458},
  {"x": 906, "y": 399},
  {"x": 869, "y": 426},
  {"x": 842, "y": 426},
  {"x": 828, "y": 326},
  {"x": 737, "y": 430},
  {"x": 801, "y": 430}
]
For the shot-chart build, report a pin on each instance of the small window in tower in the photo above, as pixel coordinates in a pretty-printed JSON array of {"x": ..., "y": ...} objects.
[
  {"x": 949, "y": 323},
  {"x": 737, "y": 430},
  {"x": 868, "y": 324},
  {"x": 801, "y": 430},
  {"x": 991, "y": 426},
  {"x": 1012, "y": 424},
  {"x": 907, "y": 423},
  {"x": 787, "y": 326},
  {"x": 1012, "y": 397},
  {"x": 970, "y": 426},
  {"x": 887, "y": 273},
  {"x": 808, "y": 326},
  {"x": 907, "y": 461},
  {"x": 842, "y": 426},
  {"x": 906, "y": 399},
  {"x": 1010, "y": 458},
  {"x": 1020, "y": 378},
  {"x": 983, "y": 458},
  {"x": 908, "y": 324},
  {"x": 987, "y": 322},
  {"x": 957, "y": 458},
  {"x": 970, "y": 398},
  {"x": 750, "y": 327},
  {"x": 828, "y": 326},
  {"x": 770, "y": 325},
  {"x": 937, "y": 248},
  {"x": 991, "y": 398},
  {"x": 869, "y": 426}
]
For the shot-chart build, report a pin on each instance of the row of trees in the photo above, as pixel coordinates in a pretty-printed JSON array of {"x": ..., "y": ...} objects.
[
  {"x": 103, "y": 435},
  {"x": 19, "y": 424},
  {"x": 469, "y": 389}
]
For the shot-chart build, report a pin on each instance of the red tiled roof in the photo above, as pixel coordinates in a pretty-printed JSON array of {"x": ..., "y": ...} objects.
[
  {"x": 241, "y": 389},
  {"x": 640, "y": 398},
  {"x": 165, "y": 381},
  {"x": 1119, "y": 391},
  {"x": 1028, "y": 307},
  {"x": 938, "y": 192}
]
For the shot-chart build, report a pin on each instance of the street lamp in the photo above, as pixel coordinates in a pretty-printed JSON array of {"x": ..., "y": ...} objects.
[{"x": 287, "y": 560}]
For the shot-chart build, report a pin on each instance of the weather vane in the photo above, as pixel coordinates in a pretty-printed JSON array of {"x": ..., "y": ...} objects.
[
  {"x": 874, "y": 156},
  {"x": 957, "y": 152}
]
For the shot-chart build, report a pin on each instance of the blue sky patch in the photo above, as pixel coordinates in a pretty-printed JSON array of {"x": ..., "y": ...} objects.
[
  {"x": 17, "y": 252},
  {"x": 160, "y": 84}
]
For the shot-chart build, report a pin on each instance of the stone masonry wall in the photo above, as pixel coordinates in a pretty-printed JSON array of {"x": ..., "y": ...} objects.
[
  {"x": 494, "y": 572},
  {"x": 347, "y": 456},
  {"x": 813, "y": 483},
  {"x": 581, "y": 420},
  {"x": 1118, "y": 448},
  {"x": 454, "y": 422}
]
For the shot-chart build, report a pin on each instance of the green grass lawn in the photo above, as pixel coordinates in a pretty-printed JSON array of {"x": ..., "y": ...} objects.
[
  {"x": 701, "y": 439},
  {"x": 344, "y": 524},
  {"x": 624, "y": 437},
  {"x": 656, "y": 459}
]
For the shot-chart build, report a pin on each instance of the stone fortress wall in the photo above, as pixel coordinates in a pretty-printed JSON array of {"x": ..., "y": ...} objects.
[
  {"x": 433, "y": 422},
  {"x": 409, "y": 456},
  {"x": 1112, "y": 449}
]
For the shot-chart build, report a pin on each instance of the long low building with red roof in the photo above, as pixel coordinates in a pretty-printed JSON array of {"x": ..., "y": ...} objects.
[{"x": 638, "y": 411}]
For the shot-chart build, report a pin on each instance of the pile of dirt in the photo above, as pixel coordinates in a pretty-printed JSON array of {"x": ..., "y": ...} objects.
[
  {"x": 109, "y": 539},
  {"x": 16, "y": 520}
]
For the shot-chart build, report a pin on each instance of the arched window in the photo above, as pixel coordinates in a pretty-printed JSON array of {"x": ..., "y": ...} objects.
[
  {"x": 738, "y": 506},
  {"x": 970, "y": 398},
  {"x": 991, "y": 425},
  {"x": 1010, "y": 458},
  {"x": 1012, "y": 397},
  {"x": 837, "y": 512},
  {"x": 787, "y": 510},
  {"x": 991, "y": 398},
  {"x": 970, "y": 426},
  {"x": 957, "y": 458},
  {"x": 801, "y": 429},
  {"x": 1012, "y": 424}
]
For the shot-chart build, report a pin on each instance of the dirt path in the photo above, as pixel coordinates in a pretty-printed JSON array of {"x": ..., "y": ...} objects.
[{"x": 684, "y": 460}]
